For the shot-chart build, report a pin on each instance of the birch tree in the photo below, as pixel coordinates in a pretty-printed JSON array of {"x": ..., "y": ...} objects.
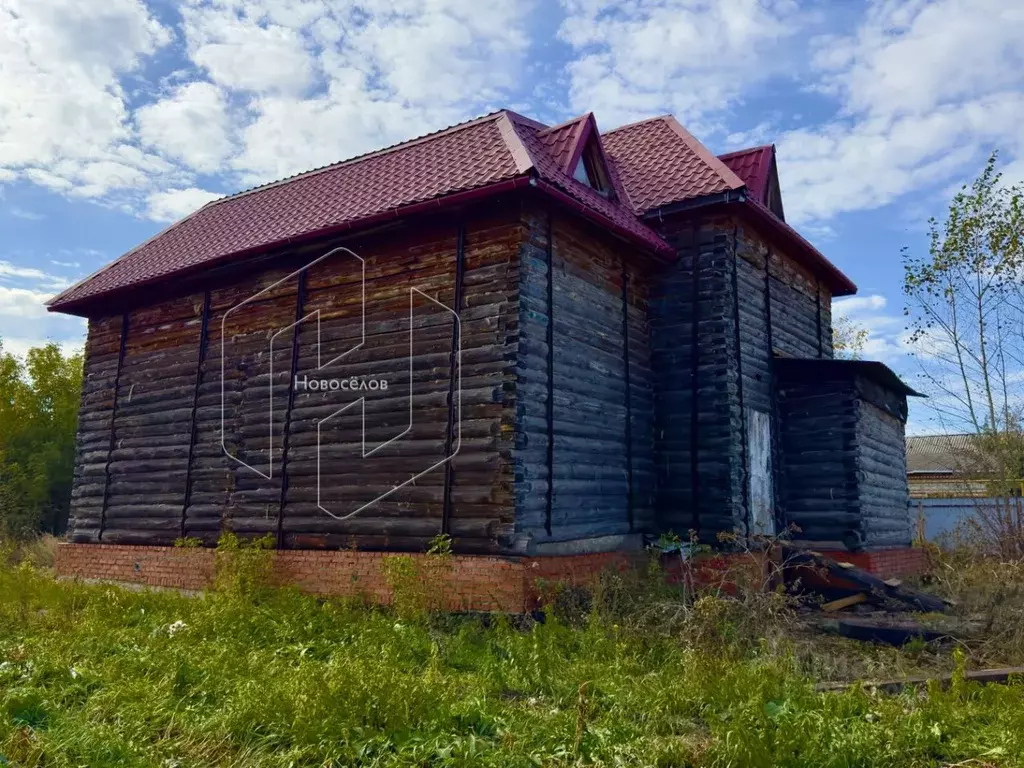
[{"x": 965, "y": 310}]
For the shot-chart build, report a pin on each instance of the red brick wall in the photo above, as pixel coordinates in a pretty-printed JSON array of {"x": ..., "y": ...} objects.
[
  {"x": 467, "y": 582},
  {"x": 886, "y": 563}
]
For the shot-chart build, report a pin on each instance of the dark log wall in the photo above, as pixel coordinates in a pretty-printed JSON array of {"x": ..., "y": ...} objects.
[
  {"x": 818, "y": 479},
  {"x": 94, "y": 434},
  {"x": 882, "y": 463},
  {"x": 149, "y": 462},
  {"x": 845, "y": 479},
  {"x": 801, "y": 309},
  {"x": 720, "y": 346},
  {"x": 629, "y": 385},
  {"x": 584, "y": 396},
  {"x": 161, "y": 472},
  {"x": 696, "y": 376}
]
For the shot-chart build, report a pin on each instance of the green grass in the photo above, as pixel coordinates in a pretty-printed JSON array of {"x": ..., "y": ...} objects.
[{"x": 98, "y": 675}]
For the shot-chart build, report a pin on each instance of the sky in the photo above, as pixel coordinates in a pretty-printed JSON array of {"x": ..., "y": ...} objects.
[{"x": 118, "y": 117}]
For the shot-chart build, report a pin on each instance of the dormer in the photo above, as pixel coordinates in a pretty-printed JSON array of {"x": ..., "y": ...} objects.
[{"x": 576, "y": 147}]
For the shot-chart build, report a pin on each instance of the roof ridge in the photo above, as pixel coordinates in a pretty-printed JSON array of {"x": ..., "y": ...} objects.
[
  {"x": 640, "y": 122},
  {"x": 565, "y": 123},
  {"x": 516, "y": 146},
  {"x": 746, "y": 151},
  {"x": 365, "y": 156}
]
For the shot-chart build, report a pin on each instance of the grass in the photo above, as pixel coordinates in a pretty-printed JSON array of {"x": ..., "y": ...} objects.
[{"x": 97, "y": 675}]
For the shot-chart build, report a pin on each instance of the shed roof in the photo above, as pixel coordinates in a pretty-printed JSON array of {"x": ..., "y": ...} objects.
[
  {"x": 816, "y": 368},
  {"x": 651, "y": 164}
]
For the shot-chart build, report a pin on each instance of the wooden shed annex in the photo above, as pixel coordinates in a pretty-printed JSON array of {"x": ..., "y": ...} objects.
[{"x": 542, "y": 341}]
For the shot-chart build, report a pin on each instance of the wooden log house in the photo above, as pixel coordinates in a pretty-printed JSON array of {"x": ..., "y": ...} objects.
[{"x": 611, "y": 335}]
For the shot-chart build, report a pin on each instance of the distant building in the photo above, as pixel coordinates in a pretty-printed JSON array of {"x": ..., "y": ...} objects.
[{"x": 939, "y": 466}]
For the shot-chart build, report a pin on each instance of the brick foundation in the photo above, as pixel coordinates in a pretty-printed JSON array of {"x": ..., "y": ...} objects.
[
  {"x": 886, "y": 563},
  {"x": 467, "y": 582}
]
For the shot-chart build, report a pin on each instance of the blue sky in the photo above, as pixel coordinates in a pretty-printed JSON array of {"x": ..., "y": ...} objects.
[{"x": 119, "y": 116}]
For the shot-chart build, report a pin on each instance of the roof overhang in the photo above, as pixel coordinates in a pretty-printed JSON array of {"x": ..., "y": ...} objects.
[
  {"x": 819, "y": 369},
  {"x": 783, "y": 234},
  {"x": 87, "y": 306}
]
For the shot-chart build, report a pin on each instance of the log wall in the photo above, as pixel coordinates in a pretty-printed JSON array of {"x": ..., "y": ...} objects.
[
  {"x": 584, "y": 397},
  {"x": 745, "y": 302},
  {"x": 151, "y": 466},
  {"x": 696, "y": 382},
  {"x": 844, "y": 481}
]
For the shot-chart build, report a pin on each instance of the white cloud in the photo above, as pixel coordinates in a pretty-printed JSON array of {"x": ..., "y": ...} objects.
[
  {"x": 190, "y": 125},
  {"x": 7, "y": 269},
  {"x": 20, "y": 345},
  {"x": 267, "y": 88},
  {"x": 239, "y": 52},
  {"x": 853, "y": 305},
  {"x": 68, "y": 264},
  {"x": 22, "y": 213},
  {"x": 23, "y": 303},
  {"x": 173, "y": 204},
  {"x": 695, "y": 58},
  {"x": 62, "y": 105},
  {"x": 386, "y": 73},
  {"x": 926, "y": 89},
  {"x": 24, "y": 320},
  {"x": 887, "y": 336}
]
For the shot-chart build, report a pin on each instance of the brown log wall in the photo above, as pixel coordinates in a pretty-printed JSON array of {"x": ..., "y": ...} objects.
[{"x": 151, "y": 466}]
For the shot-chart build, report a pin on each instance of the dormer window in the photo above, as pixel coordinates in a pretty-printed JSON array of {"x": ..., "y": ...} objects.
[{"x": 590, "y": 170}]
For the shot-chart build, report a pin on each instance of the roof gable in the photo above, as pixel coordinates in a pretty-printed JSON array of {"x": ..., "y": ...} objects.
[{"x": 760, "y": 172}]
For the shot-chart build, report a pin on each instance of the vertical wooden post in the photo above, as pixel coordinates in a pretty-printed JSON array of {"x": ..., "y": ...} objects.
[
  {"x": 773, "y": 397},
  {"x": 454, "y": 361},
  {"x": 629, "y": 393},
  {"x": 817, "y": 301},
  {"x": 300, "y": 303},
  {"x": 551, "y": 378},
  {"x": 200, "y": 361},
  {"x": 695, "y": 380},
  {"x": 113, "y": 421},
  {"x": 744, "y": 457}
]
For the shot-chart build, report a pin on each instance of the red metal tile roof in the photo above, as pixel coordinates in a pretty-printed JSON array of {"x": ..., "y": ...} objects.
[
  {"x": 474, "y": 155},
  {"x": 549, "y": 170},
  {"x": 560, "y": 140},
  {"x": 660, "y": 162},
  {"x": 754, "y": 166},
  {"x": 651, "y": 164}
]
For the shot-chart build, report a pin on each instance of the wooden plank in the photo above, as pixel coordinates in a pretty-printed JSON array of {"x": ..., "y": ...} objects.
[
  {"x": 984, "y": 676},
  {"x": 844, "y": 602}
]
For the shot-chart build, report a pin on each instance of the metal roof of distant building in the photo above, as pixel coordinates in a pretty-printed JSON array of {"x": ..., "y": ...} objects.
[{"x": 940, "y": 454}]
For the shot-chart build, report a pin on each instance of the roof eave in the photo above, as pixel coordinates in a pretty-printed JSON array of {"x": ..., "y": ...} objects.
[
  {"x": 660, "y": 250},
  {"x": 81, "y": 307},
  {"x": 839, "y": 283}
]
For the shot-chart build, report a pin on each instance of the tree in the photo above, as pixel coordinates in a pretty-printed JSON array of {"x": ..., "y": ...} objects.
[
  {"x": 39, "y": 400},
  {"x": 848, "y": 338},
  {"x": 965, "y": 306}
]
